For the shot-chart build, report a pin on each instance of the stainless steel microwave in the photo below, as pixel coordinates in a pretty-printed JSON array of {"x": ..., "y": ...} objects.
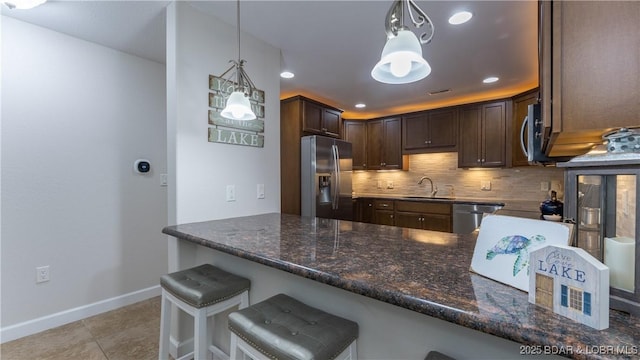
[{"x": 531, "y": 137}]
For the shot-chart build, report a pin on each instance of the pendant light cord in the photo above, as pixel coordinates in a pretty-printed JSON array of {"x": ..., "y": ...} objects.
[{"x": 238, "y": 23}]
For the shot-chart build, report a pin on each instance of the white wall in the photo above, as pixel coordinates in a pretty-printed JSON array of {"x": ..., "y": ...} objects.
[
  {"x": 204, "y": 45},
  {"x": 75, "y": 117}
]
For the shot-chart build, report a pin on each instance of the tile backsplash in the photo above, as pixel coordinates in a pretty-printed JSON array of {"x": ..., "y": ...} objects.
[{"x": 522, "y": 183}]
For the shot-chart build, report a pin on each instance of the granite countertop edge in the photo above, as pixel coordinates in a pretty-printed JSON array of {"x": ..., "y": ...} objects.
[{"x": 505, "y": 330}]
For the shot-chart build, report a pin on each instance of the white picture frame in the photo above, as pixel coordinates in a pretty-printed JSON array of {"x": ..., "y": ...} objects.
[{"x": 504, "y": 242}]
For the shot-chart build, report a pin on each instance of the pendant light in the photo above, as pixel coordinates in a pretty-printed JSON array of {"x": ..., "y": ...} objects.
[
  {"x": 238, "y": 106},
  {"x": 401, "y": 61}
]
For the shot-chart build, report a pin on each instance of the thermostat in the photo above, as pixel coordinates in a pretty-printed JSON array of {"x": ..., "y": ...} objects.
[{"x": 142, "y": 166}]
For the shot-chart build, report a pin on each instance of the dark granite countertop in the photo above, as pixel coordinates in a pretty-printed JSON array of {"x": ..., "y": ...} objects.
[{"x": 424, "y": 271}]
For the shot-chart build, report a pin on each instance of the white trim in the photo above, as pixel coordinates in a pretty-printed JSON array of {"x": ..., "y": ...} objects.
[{"x": 47, "y": 322}]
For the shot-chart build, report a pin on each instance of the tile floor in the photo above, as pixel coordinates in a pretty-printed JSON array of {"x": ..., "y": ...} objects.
[{"x": 128, "y": 333}]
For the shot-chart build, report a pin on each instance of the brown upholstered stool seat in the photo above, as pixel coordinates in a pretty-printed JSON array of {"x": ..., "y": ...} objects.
[{"x": 284, "y": 328}]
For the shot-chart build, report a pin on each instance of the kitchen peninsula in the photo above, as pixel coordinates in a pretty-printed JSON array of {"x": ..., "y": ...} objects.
[{"x": 410, "y": 290}]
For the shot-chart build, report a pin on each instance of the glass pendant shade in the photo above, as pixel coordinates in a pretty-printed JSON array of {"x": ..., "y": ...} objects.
[
  {"x": 401, "y": 61},
  {"x": 238, "y": 107}
]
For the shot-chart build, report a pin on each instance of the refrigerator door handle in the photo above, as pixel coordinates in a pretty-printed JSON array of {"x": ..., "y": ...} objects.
[{"x": 336, "y": 177}]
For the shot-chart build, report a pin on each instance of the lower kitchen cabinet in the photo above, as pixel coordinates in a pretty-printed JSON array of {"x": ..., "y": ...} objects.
[
  {"x": 364, "y": 210},
  {"x": 423, "y": 215},
  {"x": 384, "y": 214}
]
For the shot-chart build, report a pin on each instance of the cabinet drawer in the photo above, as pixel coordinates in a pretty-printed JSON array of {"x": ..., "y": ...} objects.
[
  {"x": 384, "y": 204},
  {"x": 424, "y": 207}
]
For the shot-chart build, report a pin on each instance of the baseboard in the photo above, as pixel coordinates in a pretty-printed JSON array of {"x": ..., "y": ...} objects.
[{"x": 34, "y": 326}]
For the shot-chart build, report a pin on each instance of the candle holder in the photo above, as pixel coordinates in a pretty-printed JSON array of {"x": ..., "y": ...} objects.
[{"x": 600, "y": 196}]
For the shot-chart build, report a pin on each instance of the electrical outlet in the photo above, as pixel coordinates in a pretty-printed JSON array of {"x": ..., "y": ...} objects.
[
  {"x": 544, "y": 186},
  {"x": 42, "y": 274},
  {"x": 231, "y": 193},
  {"x": 485, "y": 185},
  {"x": 260, "y": 191},
  {"x": 389, "y": 184}
]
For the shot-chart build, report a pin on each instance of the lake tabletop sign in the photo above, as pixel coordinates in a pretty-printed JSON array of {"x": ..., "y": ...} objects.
[
  {"x": 505, "y": 242},
  {"x": 572, "y": 283}
]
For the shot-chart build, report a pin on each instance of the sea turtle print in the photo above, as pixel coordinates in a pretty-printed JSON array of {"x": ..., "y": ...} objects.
[{"x": 515, "y": 245}]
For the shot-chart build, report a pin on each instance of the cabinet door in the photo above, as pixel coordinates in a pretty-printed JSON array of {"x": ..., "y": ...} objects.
[
  {"x": 331, "y": 122},
  {"x": 520, "y": 107},
  {"x": 469, "y": 138},
  {"x": 368, "y": 213},
  {"x": 409, "y": 220},
  {"x": 392, "y": 143},
  {"x": 443, "y": 130},
  {"x": 437, "y": 222},
  {"x": 311, "y": 117},
  {"x": 384, "y": 217},
  {"x": 355, "y": 132},
  {"x": 375, "y": 135},
  {"x": 493, "y": 135},
  {"x": 594, "y": 76},
  {"x": 415, "y": 132}
]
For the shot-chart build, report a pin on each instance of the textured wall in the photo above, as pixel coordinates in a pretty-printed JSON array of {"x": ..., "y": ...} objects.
[{"x": 506, "y": 184}]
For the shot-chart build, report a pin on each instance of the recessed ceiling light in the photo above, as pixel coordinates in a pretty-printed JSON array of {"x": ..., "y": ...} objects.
[
  {"x": 460, "y": 18},
  {"x": 286, "y": 75},
  {"x": 360, "y": 105},
  {"x": 490, "y": 79}
]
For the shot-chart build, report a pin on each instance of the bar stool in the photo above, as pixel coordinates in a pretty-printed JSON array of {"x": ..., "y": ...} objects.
[
  {"x": 201, "y": 292},
  {"x": 284, "y": 328}
]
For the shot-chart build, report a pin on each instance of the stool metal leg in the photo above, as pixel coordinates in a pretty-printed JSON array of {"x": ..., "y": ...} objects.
[{"x": 165, "y": 327}]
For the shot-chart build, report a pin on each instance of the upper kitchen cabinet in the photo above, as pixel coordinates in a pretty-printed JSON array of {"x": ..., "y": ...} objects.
[
  {"x": 355, "y": 132},
  {"x": 521, "y": 104},
  {"x": 319, "y": 119},
  {"x": 482, "y": 139},
  {"x": 384, "y": 144},
  {"x": 590, "y": 71},
  {"x": 430, "y": 131}
]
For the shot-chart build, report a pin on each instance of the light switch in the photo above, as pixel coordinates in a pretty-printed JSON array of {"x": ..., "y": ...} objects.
[
  {"x": 260, "y": 191},
  {"x": 485, "y": 185},
  {"x": 231, "y": 193}
]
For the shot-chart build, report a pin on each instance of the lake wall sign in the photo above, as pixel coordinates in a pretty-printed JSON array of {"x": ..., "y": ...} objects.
[
  {"x": 234, "y": 132},
  {"x": 570, "y": 282}
]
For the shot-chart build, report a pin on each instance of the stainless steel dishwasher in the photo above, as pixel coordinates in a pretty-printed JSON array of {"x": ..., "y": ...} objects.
[{"x": 467, "y": 217}]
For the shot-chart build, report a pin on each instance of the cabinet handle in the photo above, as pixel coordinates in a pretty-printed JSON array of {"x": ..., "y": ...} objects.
[
  {"x": 324, "y": 129},
  {"x": 385, "y": 205},
  {"x": 427, "y": 142},
  {"x": 364, "y": 165},
  {"x": 482, "y": 160},
  {"x": 370, "y": 205},
  {"x": 391, "y": 216},
  {"x": 478, "y": 160}
]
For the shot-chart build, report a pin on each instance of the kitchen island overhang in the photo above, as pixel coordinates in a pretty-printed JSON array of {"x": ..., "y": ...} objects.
[{"x": 422, "y": 271}]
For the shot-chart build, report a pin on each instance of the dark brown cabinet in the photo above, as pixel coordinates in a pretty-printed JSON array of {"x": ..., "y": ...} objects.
[
  {"x": 521, "y": 104},
  {"x": 319, "y": 119},
  {"x": 423, "y": 215},
  {"x": 384, "y": 144},
  {"x": 384, "y": 212},
  {"x": 430, "y": 131},
  {"x": 364, "y": 210},
  {"x": 482, "y": 136},
  {"x": 355, "y": 132},
  {"x": 590, "y": 71},
  {"x": 300, "y": 116}
]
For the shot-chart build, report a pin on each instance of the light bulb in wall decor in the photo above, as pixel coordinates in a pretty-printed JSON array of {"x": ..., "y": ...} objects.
[
  {"x": 238, "y": 106},
  {"x": 401, "y": 61}
]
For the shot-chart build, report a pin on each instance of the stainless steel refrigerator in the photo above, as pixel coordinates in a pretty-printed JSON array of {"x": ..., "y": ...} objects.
[{"x": 326, "y": 178}]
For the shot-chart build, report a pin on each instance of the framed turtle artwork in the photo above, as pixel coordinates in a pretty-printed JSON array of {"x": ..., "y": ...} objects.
[{"x": 504, "y": 243}]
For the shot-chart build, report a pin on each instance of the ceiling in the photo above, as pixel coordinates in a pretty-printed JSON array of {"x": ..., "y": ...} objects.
[{"x": 331, "y": 46}]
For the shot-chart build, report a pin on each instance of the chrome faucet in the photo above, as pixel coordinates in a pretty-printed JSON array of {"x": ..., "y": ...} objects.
[{"x": 434, "y": 189}]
